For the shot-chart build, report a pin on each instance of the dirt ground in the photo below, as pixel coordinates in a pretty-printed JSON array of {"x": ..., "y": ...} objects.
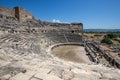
[{"x": 71, "y": 53}]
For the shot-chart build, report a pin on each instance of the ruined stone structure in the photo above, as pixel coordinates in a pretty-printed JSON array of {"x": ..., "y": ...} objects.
[
  {"x": 7, "y": 12},
  {"x": 16, "y": 12},
  {"x": 24, "y": 16},
  {"x": 25, "y": 47},
  {"x": 73, "y": 28},
  {"x": 21, "y": 14}
]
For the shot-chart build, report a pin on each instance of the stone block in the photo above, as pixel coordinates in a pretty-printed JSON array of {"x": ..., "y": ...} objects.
[
  {"x": 46, "y": 76},
  {"x": 21, "y": 76}
]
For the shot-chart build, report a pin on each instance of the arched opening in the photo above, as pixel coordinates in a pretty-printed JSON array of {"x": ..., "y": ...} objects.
[{"x": 72, "y": 31}]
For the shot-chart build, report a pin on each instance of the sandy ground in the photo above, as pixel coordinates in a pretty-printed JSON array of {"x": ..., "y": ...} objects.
[{"x": 71, "y": 53}]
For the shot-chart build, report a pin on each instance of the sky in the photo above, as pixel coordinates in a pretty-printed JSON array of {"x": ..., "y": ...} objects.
[{"x": 94, "y": 14}]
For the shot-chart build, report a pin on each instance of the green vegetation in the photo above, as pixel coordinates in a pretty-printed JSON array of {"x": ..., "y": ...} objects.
[
  {"x": 113, "y": 35},
  {"x": 106, "y": 37},
  {"x": 109, "y": 37},
  {"x": 106, "y": 40}
]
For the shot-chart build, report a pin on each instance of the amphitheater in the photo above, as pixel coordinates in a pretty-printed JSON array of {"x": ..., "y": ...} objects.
[{"x": 31, "y": 49}]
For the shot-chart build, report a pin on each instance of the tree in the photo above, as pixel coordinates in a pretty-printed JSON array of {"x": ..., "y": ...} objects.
[
  {"x": 106, "y": 40},
  {"x": 112, "y": 35}
]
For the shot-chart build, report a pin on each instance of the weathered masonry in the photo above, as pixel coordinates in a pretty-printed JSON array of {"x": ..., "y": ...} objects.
[
  {"x": 16, "y": 12},
  {"x": 22, "y": 15}
]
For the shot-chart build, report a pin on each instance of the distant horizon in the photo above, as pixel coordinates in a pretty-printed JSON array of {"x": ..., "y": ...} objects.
[{"x": 94, "y": 14}]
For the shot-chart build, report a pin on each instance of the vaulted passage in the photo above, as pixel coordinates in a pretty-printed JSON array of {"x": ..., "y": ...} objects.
[{"x": 73, "y": 53}]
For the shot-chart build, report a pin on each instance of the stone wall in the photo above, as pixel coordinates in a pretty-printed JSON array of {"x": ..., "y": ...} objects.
[
  {"x": 77, "y": 27},
  {"x": 16, "y": 12},
  {"x": 74, "y": 28},
  {"x": 21, "y": 14},
  {"x": 7, "y": 12},
  {"x": 11, "y": 16}
]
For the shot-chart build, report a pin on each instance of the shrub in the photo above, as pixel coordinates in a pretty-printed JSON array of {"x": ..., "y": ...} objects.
[
  {"x": 106, "y": 40},
  {"x": 112, "y": 35}
]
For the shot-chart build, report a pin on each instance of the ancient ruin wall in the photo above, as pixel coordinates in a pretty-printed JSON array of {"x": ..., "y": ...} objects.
[
  {"x": 21, "y": 14},
  {"x": 77, "y": 27},
  {"x": 7, "y": 12},
  {"x": 73, "y": 28},
  {"x": 16, "y": 12}
]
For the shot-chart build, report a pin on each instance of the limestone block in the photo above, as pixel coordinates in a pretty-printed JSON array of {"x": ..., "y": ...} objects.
[
  {"x": 5, "y": 77},
  {"x": 21, "y": 76},
  {"x": 67, "y": 75},
  {"x": 35, "y": 79},
  {"x": 30, "y": 73},
  {"x": 46, "y": 76},
  {"x": 42, "y": 70}
]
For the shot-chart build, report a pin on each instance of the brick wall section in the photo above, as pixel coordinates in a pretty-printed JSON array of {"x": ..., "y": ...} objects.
[
  {"x": 22, "y": 14},
  {"x": 7, "y": 12},
  {"x": 18, "y": 12},
  {"x": 77, "y": 26}
]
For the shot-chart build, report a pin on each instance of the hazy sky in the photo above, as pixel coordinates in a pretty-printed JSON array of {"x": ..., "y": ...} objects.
[{"x": 92, "y": 13}]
